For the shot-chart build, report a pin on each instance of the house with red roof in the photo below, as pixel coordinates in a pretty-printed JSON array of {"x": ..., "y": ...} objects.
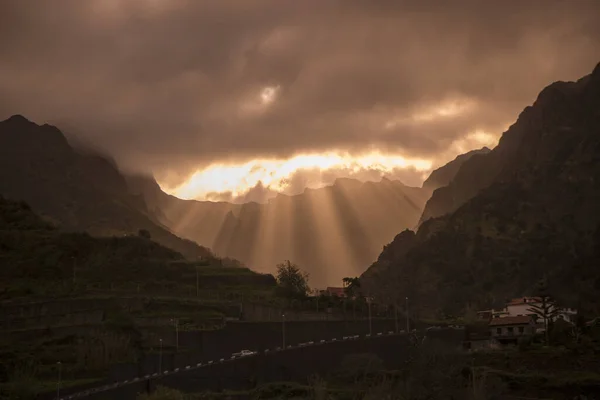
[{"x": 508, "y": 330}]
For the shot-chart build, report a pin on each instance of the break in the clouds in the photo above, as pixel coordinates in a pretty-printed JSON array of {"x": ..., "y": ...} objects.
[{"x": 175, "y": 86}]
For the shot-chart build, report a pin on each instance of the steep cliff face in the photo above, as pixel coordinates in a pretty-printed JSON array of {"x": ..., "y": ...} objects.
[
  {"x": 532, "y": 142},
  {"x": 527, "y": 209},
  {"x": 444, "y": 175},
  {"x": 77, "y": 191}
]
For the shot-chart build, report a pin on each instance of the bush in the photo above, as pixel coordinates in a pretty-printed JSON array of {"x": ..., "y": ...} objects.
[
  {"x": 524, "y": 343},
  {"x": 163, "y": 393}
]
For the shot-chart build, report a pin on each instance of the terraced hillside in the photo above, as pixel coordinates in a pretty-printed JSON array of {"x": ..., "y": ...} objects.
[{"x": 89, "y": 303}]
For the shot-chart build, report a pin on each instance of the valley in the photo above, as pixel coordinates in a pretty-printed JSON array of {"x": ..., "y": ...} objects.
[{"x": 370, "y": 267}]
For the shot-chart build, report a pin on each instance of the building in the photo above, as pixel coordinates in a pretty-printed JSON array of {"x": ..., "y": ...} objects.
[
  {"x": 509, "y": 329},
  {"x": 334, "y": 291},
  {"x": 521, "y": 306}
]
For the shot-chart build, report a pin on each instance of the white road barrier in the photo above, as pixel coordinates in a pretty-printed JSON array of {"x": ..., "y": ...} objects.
[{"x": 198, "y": 365}]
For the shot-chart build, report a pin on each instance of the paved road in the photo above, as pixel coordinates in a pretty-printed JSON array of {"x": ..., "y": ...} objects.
[{"x": 207, "y": 364}]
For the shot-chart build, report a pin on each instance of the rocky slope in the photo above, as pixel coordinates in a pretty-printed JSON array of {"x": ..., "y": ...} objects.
[
  {"x": 79, "y": 192},
  {"x": 527, "y": 209}
]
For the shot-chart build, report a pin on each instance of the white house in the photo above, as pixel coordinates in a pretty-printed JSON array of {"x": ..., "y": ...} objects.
[{"x": 522, "y": 306}]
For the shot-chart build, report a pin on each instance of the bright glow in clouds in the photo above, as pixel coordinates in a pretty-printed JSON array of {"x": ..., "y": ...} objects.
[
  {"x": 268, "y": 94},
  {"x": 448, "y": 109},
  {"x": 275, "y": 174}
]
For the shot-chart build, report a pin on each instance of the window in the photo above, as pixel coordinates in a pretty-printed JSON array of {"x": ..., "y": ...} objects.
[
  {"x": 498, "y": 331},
  {"x": 510, "y": 330},
  {"x": 521, "y": 329}
]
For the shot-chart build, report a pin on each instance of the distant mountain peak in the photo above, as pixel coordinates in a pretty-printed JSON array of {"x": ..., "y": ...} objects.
[
  {"x": 29, "y": 137},
  {"x": 17, "y": 119}
]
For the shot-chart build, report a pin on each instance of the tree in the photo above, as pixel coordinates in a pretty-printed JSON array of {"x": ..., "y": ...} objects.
[
  {"x": 546, "y": 309},
  {"x": 292, "y": 282},
  {"x": 352, "y": 291},
  {"x": 351, "y": 286},
  {"x": 145, "y": 233}
]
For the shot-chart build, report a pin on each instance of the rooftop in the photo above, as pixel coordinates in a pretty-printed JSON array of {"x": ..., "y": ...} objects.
[
  {"x": 524, "y": 300},
  {"x": 518, "y": 320}
]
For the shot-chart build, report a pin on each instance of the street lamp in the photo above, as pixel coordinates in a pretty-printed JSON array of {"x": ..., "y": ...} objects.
[
  {"x": 160, "y": 357},
  {"x": 370, "y": 323},
  {"x": 396, "y": 316},
  {"x": 176, "y": 323},
  {"x": 283, "y": 330},
  {"x": 58, "y": 382},
  {"x": 407, "y": 319},
  {"x": 74, "y": 262}
]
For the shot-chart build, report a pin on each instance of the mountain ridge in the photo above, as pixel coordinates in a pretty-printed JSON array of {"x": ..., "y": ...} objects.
[
  {"x": 331, "y": 232},
  {"x": 536, "y": 214},
  {"x": 79, "y": 192}
]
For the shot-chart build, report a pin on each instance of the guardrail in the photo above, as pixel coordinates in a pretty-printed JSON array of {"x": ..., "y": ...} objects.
[{"x": 192, "y": 367}]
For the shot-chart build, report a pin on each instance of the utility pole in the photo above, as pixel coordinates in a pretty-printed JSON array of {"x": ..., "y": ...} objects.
[
  {"x": 283, "y": 330},
  {"x": 58, "y": 382},
  {"x": 160, "y": 358},
  {"x": 407, "y": 318}
]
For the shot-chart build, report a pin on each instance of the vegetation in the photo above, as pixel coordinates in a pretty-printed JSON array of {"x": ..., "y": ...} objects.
[
  {"x": 351, "y": 287},
  {"x": 99, "y": 296},
  {"x": 547, "y": 310},
  {"x": 292, "y": 282}
]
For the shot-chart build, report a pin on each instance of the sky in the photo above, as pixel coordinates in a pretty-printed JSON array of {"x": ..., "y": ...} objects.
[{"x": 238, "y": 100}]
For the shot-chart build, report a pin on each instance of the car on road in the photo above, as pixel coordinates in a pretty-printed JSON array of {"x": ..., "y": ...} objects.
[{"x": 244, "y": 353}]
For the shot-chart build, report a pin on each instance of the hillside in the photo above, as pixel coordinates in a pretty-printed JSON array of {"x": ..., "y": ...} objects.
[
  {"x": 40, "y": 260},
  {"x": 92, "y": 302},
  {"x": 527, "y": 209},
  {"x": 76, "y": 191},
  {"x": 331, "y": 232}
]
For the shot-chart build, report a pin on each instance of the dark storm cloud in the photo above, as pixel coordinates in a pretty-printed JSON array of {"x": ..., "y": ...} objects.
[{"x": 170, "y": 85}]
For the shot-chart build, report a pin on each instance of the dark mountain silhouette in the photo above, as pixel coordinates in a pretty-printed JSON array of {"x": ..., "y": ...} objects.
[
  {"x": 74, "y": 190},
  {"x": 530, "y": 208},
  {"x": 445, "y": 174},
  {"x": 330, "y": 232}
]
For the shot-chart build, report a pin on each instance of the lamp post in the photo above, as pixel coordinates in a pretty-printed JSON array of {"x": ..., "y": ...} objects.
[
  {"x": 370, "y": 323},
  {"x": 176, "y": 323},
  {"x": 283, "y": 330},
  {"x": 74, "y": 270},
  {"x": 407, "y": 318},
  {"x": 396, "y": 317},
  {"x": 160, "y": 357},
  {"x": 58, "y": 382}
]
